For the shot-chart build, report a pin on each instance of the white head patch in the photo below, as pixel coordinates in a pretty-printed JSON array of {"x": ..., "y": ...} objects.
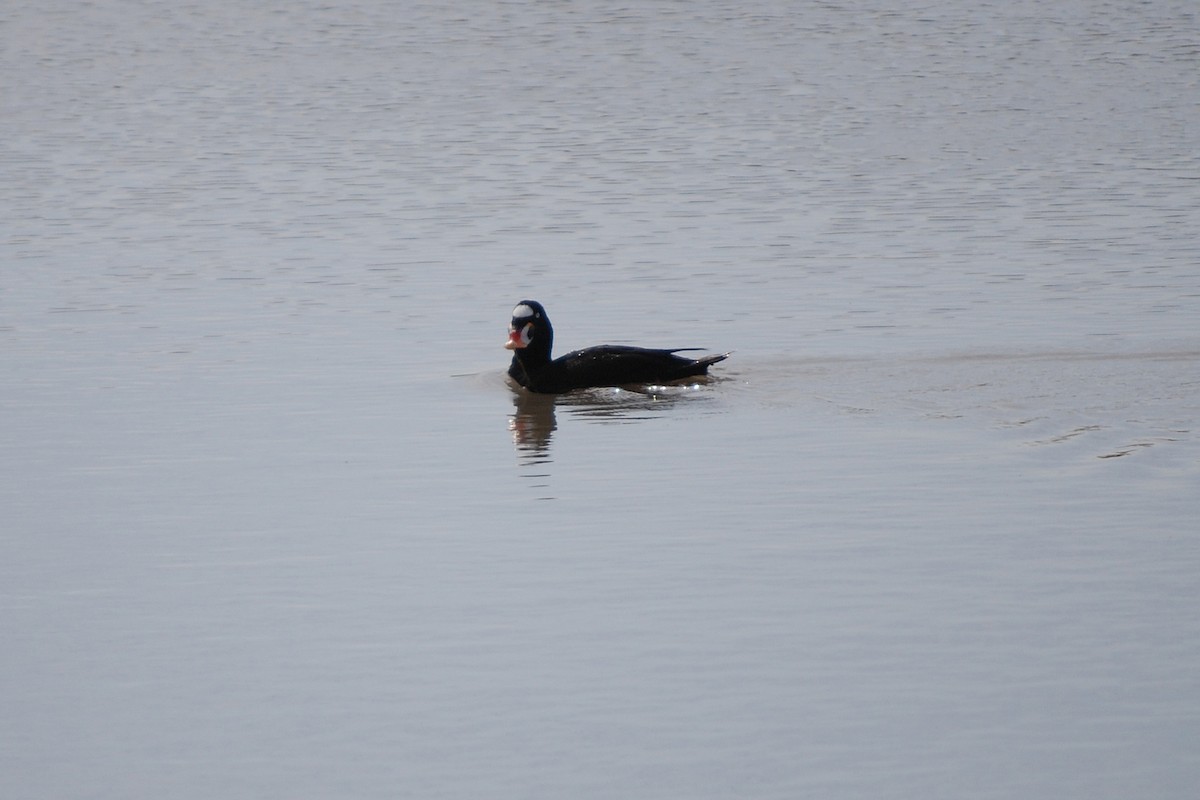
[{"x": 522, "y": 311}]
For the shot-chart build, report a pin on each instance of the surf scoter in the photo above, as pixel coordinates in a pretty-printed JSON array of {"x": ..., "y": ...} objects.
[{"x": 530, "y": 337}]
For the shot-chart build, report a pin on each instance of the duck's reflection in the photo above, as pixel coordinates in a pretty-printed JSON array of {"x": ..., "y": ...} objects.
[
  {"x": 535, "y": 420},
  {"x": 532, "y": 425}
]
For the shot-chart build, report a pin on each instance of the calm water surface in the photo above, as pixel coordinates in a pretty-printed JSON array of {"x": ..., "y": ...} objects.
[{"x": 273, "y": 523}]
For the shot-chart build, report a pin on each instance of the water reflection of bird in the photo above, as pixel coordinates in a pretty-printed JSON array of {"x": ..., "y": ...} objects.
[
  {"x": 534, "y": 419},
  {"x": 531, "y": 337},
  {"x": 532, "y": 425}
]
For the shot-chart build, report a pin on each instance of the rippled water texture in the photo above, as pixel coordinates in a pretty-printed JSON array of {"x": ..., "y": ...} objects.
[{"x": 274, "y": 524}]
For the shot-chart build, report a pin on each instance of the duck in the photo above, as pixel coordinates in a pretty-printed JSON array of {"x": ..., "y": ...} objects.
[{"x": 531, "y": 337}]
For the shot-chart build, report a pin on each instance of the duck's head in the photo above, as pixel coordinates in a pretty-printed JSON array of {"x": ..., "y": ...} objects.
[{"x": 529, "y": 327}]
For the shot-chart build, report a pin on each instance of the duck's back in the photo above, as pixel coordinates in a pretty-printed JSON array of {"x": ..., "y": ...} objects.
[{"x": 616, "y": 365}]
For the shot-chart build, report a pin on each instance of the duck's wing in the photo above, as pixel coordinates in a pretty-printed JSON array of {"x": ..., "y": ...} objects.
[{"x": 614, "y": 365}]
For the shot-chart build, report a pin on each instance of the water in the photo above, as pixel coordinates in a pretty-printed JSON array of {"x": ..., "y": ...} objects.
[{"x": 274, "y": 523}]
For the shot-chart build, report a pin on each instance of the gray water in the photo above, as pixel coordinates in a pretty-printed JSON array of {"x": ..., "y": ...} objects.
[{"x": 274, "y": 524}]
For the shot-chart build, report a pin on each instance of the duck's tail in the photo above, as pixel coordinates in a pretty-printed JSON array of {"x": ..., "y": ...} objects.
[{"x": 707, "y": 361}]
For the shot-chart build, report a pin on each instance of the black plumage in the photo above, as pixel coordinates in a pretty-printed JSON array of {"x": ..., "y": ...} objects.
[{"x": 531, "y": 338}]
